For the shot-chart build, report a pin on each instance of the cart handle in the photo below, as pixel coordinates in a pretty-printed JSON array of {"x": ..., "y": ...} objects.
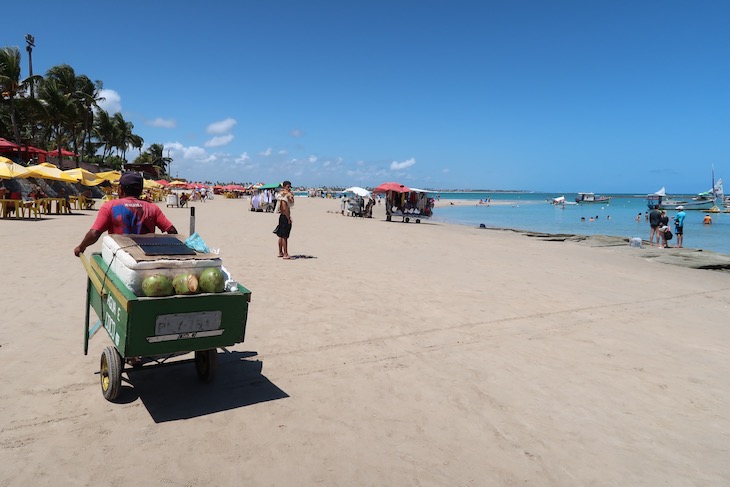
[{"x": 92, "y": 275}]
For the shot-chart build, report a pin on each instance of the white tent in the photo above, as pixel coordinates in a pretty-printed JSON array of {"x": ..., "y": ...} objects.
[{"x": 358, "y": 191}]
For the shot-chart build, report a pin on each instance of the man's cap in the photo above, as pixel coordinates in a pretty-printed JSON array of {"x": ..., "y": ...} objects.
[
  {"x": 131, "y": 179},
  {"x": 680, "y": 207}
]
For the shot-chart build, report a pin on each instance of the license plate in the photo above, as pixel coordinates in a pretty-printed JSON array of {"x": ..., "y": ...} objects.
[{"x": 175, "y": 324}]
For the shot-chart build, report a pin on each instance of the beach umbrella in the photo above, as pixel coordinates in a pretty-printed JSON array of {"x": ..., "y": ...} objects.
[
  {"x": 358, "y": 191},
  {"x": 46, "y": 170},
  {"x": 150, "y": 184},
  {"x": 397, "y": 187},
  {"x": 178, "y": 184},
  {"x": 81, "y": 175},
  {"x": 64, "y": 153},
  {"x": 111, "y": 176},
  {"x": 10, "y": 170},
  {"x": 163, "y": 182},
  {"x": 6, "y": 145}
]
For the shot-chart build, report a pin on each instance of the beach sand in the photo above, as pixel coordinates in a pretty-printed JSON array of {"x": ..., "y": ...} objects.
[{"x": 401, "y": 354}]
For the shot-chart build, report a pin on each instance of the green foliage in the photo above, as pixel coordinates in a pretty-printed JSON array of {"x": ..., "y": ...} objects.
[
  {"x": 115, "y": 162},
  {"x": 64, "y": 114}
]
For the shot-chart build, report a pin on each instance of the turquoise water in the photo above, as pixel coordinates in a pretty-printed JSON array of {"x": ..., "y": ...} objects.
[{"x": 531, "y": 211}]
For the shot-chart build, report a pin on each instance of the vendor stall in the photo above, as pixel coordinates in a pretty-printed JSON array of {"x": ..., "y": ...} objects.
[{"x": 407, "y": 203}]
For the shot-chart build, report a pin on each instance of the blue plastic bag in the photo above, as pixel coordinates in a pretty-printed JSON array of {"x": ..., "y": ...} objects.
[{"x": 196, "y": 243}]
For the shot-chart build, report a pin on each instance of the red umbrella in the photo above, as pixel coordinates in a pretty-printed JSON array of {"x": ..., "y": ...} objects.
[
  {"x": 7, "y": 145},
  {"x": 397, "y": 187},
  {"x": 64, "y": 153},
  {"x": 32, "y": 150},
  {"x": 163, "y": 182}
]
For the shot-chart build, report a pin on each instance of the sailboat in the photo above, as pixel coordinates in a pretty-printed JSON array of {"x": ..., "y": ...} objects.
[{"x": 703, "y": 201}]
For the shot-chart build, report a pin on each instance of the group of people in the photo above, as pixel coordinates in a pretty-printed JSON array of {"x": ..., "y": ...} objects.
[{"x": 660, "y": 231}]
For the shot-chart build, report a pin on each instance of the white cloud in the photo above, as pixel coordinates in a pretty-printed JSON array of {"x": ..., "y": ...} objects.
[
  {"x": 296, "y": 133},
  {"x": 219, "y": 141},
  {"x": 243, "y": 157},
  {"x": 195, "y": 153},
  {"x": 398, "y": 166},
  {"x": 312, "y": 159},
  {"x": 266, "y": 153},
  {"x": 283, "y": 152},
  {"x": 112, "y": 101},
  {"x": 170, "y": 123},
  {"x": 222, "y": 127}
]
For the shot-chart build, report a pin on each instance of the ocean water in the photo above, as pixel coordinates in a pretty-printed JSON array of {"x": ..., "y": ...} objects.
[{"x": 533, "y": 212}]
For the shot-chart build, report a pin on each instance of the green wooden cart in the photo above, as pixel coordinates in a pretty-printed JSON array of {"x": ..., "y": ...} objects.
[{"x": 160, "y": 328}]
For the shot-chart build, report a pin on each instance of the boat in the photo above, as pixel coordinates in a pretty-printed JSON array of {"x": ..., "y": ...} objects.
[
  {"x": 560, "y": 200},
  {"x": 592, "y": 198},
  {"x": 705, "y": 201},
  {"x": 661, "y": 201}
]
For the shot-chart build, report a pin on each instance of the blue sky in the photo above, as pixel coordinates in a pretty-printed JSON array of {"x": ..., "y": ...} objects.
[{"x": 603, "y": 96}]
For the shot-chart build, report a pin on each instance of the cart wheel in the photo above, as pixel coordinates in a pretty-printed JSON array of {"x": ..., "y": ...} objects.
[
  {"x": 407, "y": 219},
  {"x": 111, "y": 373},
  {"x": 418, "y": 220},
  {"x": 387, "y": 218},
  {"x": 206, "y": 363}
]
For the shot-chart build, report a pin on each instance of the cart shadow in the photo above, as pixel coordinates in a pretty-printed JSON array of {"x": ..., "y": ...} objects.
[{"x": 174, "y": 392}]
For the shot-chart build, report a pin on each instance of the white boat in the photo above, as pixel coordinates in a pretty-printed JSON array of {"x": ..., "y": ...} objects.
[
  {"x": 592, "y": 198},
  {"x": 661, "y": 201},
  {"x": 560, "y": 200}
]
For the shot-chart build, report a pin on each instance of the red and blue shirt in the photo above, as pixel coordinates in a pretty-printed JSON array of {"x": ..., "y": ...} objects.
[{"x": 132, "y": 216}]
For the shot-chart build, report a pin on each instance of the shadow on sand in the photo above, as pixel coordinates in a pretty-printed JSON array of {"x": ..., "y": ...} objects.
[{"x": 173, "y": 391}]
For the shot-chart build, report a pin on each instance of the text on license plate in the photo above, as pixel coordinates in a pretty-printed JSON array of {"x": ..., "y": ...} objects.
[{"x": 187, "y": 322}]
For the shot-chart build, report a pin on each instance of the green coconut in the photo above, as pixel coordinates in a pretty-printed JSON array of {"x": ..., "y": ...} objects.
[
  {"x": 212, "y": 280},
  {"x": 185, "y": 284},
  {"x": 157, "y": 285}
]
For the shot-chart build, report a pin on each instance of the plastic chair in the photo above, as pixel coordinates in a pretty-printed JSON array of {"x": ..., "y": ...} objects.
[{"x": 33, "y": 206}]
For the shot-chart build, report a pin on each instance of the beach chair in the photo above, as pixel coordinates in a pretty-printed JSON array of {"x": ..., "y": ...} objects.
[
  {"x": 33, "y": 207},
  {"x": 86, "y": 203}
]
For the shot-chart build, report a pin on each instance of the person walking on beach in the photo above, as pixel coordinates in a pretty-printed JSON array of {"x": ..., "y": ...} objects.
[
  {"x": 283, "y": 229},
  {"x": 655, "y": 217},
  {"x": 127, "y": 214},
  {"x": 679, "y": 226}
]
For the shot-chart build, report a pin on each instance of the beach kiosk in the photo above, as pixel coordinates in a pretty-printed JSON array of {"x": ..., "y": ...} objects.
[
  {"x": 407, "y": 203},
  {"x": 158, "y": 328}
]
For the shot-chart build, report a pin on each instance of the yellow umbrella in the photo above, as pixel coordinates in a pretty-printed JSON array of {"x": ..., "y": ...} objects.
[
  {"x": 81, "y": 175},
  {"x": 150, "y": 184},
  {"x": 111, "y": 176},
  {"x": 46, "y": 170},
  {"x": 10, "y": 170},
  {"x": 178, "y": 183}
]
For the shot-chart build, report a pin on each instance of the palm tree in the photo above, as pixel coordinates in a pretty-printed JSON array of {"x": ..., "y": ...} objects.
[
  {"x": 104, "y": 130},
  {"x": 157, "y": 158},
  {"x": 88, "y": 95},
  {"x": 11, "y": 86},
  {"x": 124, "y": 138},
  {"x": 60, "y": 110}
]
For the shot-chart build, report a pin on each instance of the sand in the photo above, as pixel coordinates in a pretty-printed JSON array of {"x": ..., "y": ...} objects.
[{"x": 401, "y": 354}]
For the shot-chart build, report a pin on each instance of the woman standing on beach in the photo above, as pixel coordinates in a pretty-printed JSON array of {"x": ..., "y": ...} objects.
[{"x": 283, "y": 229}]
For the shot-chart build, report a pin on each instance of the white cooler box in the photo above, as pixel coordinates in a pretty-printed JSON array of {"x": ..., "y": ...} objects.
[
  {"x": 172, "y": 200},
  {"x": 132, "y": 273}
]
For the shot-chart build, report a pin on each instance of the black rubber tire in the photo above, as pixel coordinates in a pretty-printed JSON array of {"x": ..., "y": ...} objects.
[
  {"x": 110, "y": 373},
  {"x": 407, "y": 219},
  {"x": 387, "y": 218},
  {"x": 418, "y": 220},
  {"x": 206, "y": 364}
]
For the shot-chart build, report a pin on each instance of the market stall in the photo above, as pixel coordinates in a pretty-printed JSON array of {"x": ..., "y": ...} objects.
[{"x": 407, "y": 203}]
